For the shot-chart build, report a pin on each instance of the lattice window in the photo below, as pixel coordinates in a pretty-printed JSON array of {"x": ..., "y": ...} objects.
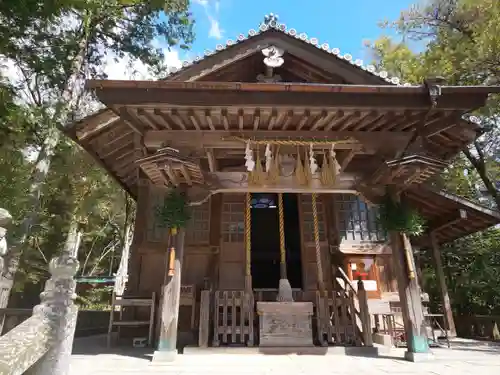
[
  {"x": 233, "y": 221},
  {"x": 357, "y": 221},
  {"x": 198, "y": 228},
  {"x": 308, "y": 218},
  {"x": 155, "y": 231}
]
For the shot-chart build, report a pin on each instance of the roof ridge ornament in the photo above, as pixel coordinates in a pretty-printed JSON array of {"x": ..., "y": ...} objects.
[{"x": 270, "y": 20}]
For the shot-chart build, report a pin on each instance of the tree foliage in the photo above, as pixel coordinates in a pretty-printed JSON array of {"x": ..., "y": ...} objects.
[
  {"x": 460, "y": 41},
  {"x": 47, "y": 50}
]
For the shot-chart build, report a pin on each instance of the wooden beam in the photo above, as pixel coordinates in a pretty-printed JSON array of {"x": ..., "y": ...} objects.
[
  {"x": 214, "y": 139},
  {"x": 172, "y": 175},
  {"x": 238, "y": 182},
  {"x": 212, "y": 162},
  {"x": 447, "y": 221},
  {"x": 318, "y": 96},
  {"x": 127, "y": 118},
  {"x": 347, "y": 159},
  {"x": 208, "y": 119},
  {"x": 438, "y": 125},
  {"x": 186, "y": 175}
]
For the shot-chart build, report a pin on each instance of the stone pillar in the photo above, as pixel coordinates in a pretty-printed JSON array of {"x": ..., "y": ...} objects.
[
  {"x": 167, "y": 345},
  {"x": 5, "y": 284},
  {"x": 443, "y": 289},
  {"x": 58, "y": 307}
]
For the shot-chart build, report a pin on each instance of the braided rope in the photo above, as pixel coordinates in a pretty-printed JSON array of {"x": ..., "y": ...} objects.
[
  {"x": 248, "y": 229},
  {"x": 288, "y": 142},
  {"x": 319, "y": 265},
  {"x": 282, "y": 234}
]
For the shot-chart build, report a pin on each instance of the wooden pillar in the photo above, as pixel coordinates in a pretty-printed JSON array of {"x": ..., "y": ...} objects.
[
  {"x": 409, "y": 294},
  {"x": 365, "y": 314},
  {"x": 443, "y": 289},
  {"x": 167, "y": 345}
]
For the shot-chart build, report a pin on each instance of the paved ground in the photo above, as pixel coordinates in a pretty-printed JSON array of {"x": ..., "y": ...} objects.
[{"x": 465, "y": 357}]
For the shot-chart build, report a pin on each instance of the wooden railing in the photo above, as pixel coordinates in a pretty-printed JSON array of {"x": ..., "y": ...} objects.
[
  {"x": 342, "y": 315},
  {"x": 43, "y": 342},
  {"x": 233, "y": 318}
]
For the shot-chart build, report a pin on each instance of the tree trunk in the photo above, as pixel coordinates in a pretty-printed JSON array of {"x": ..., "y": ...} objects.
[
  {"x": 122, "y": 273},
  {"x": 480, "y": 166},
  {"x": 64, "y": 114}
]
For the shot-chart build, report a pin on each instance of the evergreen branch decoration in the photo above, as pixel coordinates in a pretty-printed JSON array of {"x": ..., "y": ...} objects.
[
  {"x": 399, "y": 217},
  {"x": 173, "y": 212}
]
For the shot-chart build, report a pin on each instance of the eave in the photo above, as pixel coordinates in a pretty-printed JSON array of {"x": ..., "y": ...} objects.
[{"x": 448, "y": 216}]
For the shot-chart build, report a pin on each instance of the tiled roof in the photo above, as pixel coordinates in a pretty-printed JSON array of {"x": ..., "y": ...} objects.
[{"x": 335, "y": 52}]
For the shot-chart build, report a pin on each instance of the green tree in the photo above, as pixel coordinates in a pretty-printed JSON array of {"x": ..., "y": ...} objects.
[
  {"x": 462, "y": 44},
  {"x": 56, "y": 45}
]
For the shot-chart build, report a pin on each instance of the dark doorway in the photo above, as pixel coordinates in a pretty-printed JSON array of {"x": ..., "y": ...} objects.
[
  {"x": 292, "y": 239},
  {"x": 265, "y": 252}
]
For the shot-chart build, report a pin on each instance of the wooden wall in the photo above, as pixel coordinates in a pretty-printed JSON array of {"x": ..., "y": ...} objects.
[{"x": 215, "y": 243}]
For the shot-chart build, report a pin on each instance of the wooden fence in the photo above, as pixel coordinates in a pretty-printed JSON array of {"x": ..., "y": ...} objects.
[
  {"x": 482, "y": 327},
  {"x": 336, "y": 317},
  {"x": 233, "y": 318}
]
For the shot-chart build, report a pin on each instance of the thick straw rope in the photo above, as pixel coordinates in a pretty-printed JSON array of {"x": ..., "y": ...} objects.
[
  {"x": 288, "y": 142},
  {"x": 319, "y": 265},
  {"x": 248, "y": 229},
  {"x": 282, "y": 236}
]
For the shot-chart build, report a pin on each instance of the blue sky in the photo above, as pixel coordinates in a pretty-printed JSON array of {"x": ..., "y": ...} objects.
[{"x": 344, "y": 24}]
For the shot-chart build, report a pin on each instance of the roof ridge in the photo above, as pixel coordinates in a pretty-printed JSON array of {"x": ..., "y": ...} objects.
[{"x": 281, "y": 27}]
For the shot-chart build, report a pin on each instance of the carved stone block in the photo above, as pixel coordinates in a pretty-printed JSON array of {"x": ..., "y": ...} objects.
[{"x": 285, "y": 324}]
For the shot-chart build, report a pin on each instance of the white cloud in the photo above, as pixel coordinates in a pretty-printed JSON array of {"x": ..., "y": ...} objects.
[
  {"x": 215, "y": 30},
  {"x": 127, "y": 68}
]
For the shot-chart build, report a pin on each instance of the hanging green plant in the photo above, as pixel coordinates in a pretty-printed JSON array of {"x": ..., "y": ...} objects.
[
  {"x": 399, "y": 217},
  {"x": 173, "y": 213}
]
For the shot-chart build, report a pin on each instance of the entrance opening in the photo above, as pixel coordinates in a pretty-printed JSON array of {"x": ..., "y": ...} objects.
[{"x": 265, "y": 252}]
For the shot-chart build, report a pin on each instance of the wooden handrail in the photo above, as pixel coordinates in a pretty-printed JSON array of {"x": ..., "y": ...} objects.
[{"x": 347, "y": 281}]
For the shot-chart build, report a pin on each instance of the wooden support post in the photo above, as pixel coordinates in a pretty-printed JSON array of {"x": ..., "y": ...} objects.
[
  {"x": 203, "y": 328},
  {"x": 409, "y": 295},
  {"x": 167, "y": 346},
  {"x": 445, "y": 298},
  {"x": 364, "y": 313}
]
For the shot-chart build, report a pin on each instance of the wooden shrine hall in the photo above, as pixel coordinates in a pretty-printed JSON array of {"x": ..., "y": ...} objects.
[{"x": 284, "y": 149}]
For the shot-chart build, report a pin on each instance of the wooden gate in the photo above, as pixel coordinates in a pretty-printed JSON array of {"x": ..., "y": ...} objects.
[
  {"x": 337, "y": 318},
  {"x": 233, "y": 318}
]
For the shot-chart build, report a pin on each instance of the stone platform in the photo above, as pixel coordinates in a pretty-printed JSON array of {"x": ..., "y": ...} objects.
[
  {"x": 285, "y": 324},
  {"x": 91, "y": 357}
]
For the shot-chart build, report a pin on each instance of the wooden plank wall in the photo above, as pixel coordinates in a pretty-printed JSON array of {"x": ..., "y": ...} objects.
[
  {"x": 232, "y": 250},
  {"x": 309, "y": 267}
]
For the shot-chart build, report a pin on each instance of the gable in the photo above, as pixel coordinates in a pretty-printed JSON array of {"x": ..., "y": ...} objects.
[{"x": 305, "y": 60}]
